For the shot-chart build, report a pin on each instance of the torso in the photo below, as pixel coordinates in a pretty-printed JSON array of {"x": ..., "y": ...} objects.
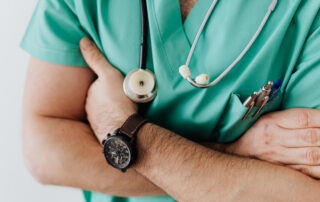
[
  {"x": 186, "y": 6},
  {"x": 217, "y": 111}
]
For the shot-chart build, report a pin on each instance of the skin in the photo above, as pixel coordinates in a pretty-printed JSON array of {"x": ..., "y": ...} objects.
[
  {"x": 181, "y": 167},
  {"x": 191, "y": 172},
  {"x": 57, "y": 127},
  {"x": 70, "y": 153},
  {"x": 186, "y": 6}
]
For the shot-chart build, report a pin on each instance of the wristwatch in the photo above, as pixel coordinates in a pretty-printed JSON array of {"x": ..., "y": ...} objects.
[{"x": 119, "y": 148}]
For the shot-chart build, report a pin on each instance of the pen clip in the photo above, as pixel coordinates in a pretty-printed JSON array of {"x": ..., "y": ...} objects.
[
  {"x": 265, "y": 101},
  {"x": 250, "y": 99},
  {"x": 263, "y": 92},
  {"x": 249, "y": 103}
]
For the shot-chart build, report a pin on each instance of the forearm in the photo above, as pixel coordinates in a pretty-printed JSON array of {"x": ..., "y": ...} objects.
[
  {"x": 186, "y": 170},
  {"x": 64, "y": 152}
]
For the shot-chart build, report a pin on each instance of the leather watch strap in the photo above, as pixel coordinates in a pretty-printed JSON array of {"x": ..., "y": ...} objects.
[{"x": 132, "y": 125}]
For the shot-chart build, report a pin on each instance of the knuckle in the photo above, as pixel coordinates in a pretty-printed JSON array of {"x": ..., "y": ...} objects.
[
  {"x": 312, "y": 136},
  {"x": 95, "y": 56},
  {"x": 269, "y": 155},
  {"x": 312, "y": 156},
  {"x": 304, "y": 118},
  {"x": 268, "y": 135},
  {"x": 272, "y": 156}
]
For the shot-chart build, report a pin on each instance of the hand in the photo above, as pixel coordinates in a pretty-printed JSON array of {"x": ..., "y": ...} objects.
[
  {"x": 107, "y": 106},
  {"x": 290, "y": 137}
]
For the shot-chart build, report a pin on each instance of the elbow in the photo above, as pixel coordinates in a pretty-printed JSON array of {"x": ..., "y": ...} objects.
[
  {"x": 34, "y": 155},
  {"x": 38, "y": 174},
  {"x": 36, "y": 167}
]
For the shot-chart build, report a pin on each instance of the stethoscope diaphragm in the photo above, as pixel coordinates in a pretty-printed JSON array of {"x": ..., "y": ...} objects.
[{"x": 140, "y": 86}]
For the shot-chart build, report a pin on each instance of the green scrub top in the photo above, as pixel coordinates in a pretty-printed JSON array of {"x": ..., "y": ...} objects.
[{"x": 287, "y": 49}]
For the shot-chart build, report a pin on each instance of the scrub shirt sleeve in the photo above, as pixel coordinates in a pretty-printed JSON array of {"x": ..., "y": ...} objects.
[
  {"x": 303, "y": 89},
  {"x": 54, "y": 33}
]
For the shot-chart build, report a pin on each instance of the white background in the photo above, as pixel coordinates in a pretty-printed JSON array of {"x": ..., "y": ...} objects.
[{"x": 16, "y": 184}]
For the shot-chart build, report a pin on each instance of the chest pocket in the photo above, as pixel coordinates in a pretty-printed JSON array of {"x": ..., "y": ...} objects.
[{"x": 231, "y": 126}]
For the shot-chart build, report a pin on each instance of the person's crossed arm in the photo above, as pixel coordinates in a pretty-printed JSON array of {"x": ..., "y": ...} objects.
[
  {"x": 60, "y": 147},
  {"x": 58, "y": 144},
  {"x": 187, "y": 170}
]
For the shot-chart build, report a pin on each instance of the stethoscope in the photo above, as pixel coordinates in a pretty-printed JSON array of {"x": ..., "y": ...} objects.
[{"x": 140, "y": 84}]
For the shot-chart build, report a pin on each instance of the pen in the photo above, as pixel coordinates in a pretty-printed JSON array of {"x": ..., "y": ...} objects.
[
  {"x": 275, "y": 90},
  {"x": 264, "y": 91}
]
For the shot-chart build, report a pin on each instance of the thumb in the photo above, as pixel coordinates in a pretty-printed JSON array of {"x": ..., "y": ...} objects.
[{"x": 94, "y": 57}]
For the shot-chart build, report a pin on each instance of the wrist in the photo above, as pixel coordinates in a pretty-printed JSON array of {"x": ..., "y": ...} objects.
[
  {"x": 120, "y": 147},
  {"x": 109, "y": 124},
  {"x": 145, "y": 140}
]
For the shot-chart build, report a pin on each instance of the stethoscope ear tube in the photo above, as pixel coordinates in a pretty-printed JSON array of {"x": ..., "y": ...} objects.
[
  {"x": 144, "y": 34},
  {"x": 202, "y": 81}
]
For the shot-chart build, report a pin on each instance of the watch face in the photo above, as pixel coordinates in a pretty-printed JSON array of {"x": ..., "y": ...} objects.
[{"x": 117, "y": 152}]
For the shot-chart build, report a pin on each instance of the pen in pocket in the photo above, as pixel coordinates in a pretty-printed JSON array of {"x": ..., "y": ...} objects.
[
  {"x": 275, "y": 92},
  {"x": 263, "y": 98}
]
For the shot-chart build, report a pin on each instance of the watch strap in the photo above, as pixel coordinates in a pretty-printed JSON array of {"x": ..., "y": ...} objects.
[{"x": 132, "y": 125}]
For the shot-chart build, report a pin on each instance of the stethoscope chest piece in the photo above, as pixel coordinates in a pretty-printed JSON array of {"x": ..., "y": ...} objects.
[{"x": 140, "y": 86}]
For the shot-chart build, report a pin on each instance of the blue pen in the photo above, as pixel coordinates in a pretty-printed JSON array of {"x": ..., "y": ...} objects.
[{"x": 275, "y": 92}]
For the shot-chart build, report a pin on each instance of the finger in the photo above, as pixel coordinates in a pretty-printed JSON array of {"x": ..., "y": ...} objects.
[
  {"x": 94, "y": 57},
  {"x": 297, "y": 156},
  {"x": 312, "y": 171},
  {"x": 309, "y": 137},
  {"x": 298, "y": 118}
]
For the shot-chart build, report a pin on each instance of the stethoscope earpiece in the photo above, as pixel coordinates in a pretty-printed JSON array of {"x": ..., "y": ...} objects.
[
  {"x": 202, "y": 81},
  {"x": 140, "y": 86}
]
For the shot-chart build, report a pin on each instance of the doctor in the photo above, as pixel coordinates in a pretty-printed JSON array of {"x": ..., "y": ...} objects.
[{"x": 179, "y": 167}]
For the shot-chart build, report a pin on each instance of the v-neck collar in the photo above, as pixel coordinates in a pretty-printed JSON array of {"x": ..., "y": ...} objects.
[
  {"x": 176, "y": 36},
  {"x": 194, "y": 19}
]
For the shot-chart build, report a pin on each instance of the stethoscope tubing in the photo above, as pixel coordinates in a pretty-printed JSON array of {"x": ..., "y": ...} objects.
[
  {"x": 237, "y": 60},
  {"x": 142, "y": 75},
  {"x": 144, "y": 35}
]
